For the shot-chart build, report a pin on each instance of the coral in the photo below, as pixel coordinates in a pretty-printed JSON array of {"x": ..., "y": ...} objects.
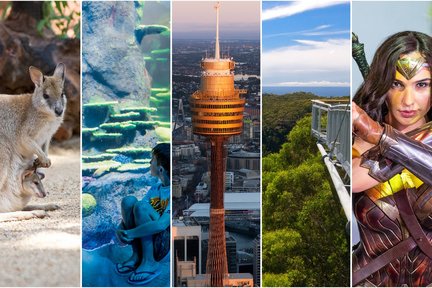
[
  {"x": 97, "y": 113},
  {"x": 133, "y": 152},
  {"x": 103, "y": 140},
  {"x": 89, "y": 169},
  {"x": 120, "y": 117},
  {"x": 134, "y": 167},
  {"x": 163, "y": 133},
  {"x": 98, "y": 158},
  {"x": 88, "y": 204}
]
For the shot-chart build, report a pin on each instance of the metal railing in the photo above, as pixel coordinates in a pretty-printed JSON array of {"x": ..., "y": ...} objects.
[
  {"x": 331, "y": 126},
  {"x": 331, "y": 121}
]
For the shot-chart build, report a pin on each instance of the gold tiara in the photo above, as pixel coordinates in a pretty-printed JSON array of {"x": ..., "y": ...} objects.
[{"x": 410, "y": 66}]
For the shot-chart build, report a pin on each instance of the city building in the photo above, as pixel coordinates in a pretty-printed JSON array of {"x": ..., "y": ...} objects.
[
  {"x": 257, "y": 261},
  {"x": 201, "y": 191},
  {"x": 184, "y": 270},
  {"x": 176, "y": 188},
  {"x": 236, "y": 204},
  {"x": 243, "y": 160},
  {"x": 233, "y": 280},
  {"x": 187, "y": 250},
  {"x": 229, "y": 179},
  {"x": 186, "y": 151}
]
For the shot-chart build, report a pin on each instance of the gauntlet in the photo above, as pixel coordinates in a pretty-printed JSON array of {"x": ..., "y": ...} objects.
[
  {"x": 396, "y": 151},
  {"x": 365, "y": 127}
]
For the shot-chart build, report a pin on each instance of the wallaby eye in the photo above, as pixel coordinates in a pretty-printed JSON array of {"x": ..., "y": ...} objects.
[
  {"x": 46, "y": 96},
  {"x": 36, "y": 183}
]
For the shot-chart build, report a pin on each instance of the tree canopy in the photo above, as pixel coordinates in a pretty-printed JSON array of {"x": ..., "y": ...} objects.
[
  {"x": 304, "y": 241},
  {"x": 281, "y": 114}
]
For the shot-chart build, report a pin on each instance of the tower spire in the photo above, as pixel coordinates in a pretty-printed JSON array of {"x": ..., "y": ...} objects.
[
  {"x": 217, "y": 113},
  {"x": 217, "y": 53}
]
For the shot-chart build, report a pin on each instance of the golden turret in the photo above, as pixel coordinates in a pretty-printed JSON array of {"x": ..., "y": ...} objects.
[{"x": 217, "y": 108}]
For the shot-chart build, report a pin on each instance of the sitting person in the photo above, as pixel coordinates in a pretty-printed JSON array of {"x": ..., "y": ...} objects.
[{"x": 146, "y": 223}]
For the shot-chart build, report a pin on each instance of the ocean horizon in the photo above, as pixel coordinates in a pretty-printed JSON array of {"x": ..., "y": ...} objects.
[{"x": 319, "y": 91}]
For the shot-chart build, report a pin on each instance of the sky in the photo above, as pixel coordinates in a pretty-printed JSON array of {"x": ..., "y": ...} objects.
[
  {"x": 197, "y": 20},
  {"x": 374, "y": 21},
  {"x": 306, "y": 43}
]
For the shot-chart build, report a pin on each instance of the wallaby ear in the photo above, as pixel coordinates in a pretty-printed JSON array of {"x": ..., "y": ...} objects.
[
  {"x": 36, "y": 76},
  {"x": 26, "y": 174},
  {"x": 60, "y": 71}
]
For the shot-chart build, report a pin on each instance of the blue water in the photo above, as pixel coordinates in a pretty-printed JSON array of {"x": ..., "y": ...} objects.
[{"x": 319, "y": 91}]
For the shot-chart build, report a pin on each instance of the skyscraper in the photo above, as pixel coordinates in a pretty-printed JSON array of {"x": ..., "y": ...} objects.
[{"x": 217, "y": 113}]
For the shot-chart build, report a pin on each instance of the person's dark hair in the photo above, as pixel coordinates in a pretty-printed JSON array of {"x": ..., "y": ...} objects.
[
  {"x": 162, "y": 153},
  {"x": 372, "y": 93}
]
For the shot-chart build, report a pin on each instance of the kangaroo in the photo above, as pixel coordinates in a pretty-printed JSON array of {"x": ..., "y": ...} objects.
[
  {"x": 32, "y": 182},
  {"x": 27, "y": 124},
  {"x": 30, "y": 120},
  {"x": 30, "y": 185}
]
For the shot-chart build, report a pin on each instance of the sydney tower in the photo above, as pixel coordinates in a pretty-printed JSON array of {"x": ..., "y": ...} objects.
[{"x": 217, "y": 113}]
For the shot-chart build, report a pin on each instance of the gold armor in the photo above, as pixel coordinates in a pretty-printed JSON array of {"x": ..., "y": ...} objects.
[{"x": 395, "y": 217}]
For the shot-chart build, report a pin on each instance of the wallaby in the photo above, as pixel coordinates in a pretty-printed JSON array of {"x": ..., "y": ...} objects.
[
  {"x": 29, "y": 121},
  {"x": 27, "y": 124},
  {"x": 30, "y": 185}
]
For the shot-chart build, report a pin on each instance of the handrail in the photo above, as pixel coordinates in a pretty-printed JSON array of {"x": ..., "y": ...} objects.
[{"x": 331, "y": 125}]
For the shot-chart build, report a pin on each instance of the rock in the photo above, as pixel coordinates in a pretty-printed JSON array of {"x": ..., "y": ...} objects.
[
  {"x": 86, "y": 180},
  {"x": 115, "y": 69},
  {"x": 99, "y": 227},
  {"x": 122, "y": 159}
]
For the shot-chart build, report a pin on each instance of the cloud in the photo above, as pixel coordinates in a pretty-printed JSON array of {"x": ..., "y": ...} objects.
[
  {"x": 321, "y": 27},
  {"x": 296, "y": 8},
  {"x": 326, "y": 33},
  {"x": 317, "y": 31},
  {"x": 318, "y": 28},
  {"x": 308, "y": 62}
]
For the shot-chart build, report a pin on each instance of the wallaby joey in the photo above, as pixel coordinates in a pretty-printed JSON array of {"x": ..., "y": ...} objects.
[
  {"x": 32, "y": 183},
  {"x": 28, "y": 121}
]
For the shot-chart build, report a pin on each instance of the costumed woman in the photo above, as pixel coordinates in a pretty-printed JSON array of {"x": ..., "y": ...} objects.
[
  {"x": 146, "y": 223},
  {"x": 392, "y": 179}
]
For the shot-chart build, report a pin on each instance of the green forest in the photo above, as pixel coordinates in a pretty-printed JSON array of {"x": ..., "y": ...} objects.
[
  {"x": 304, "y": 239},
  {"x": 280, "y": 115}
]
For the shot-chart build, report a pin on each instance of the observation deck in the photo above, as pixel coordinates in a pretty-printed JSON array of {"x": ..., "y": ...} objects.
[{"x": 217, "y": 108}]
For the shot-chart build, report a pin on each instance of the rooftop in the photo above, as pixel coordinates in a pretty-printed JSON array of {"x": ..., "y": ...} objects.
[{"x": 232, "y": 202}]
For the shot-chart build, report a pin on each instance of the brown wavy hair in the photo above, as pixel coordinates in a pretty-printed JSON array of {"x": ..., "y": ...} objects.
[{"x": 372, "y": 93}]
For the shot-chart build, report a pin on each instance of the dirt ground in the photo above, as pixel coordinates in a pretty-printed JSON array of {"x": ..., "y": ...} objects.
[{"x": 46, "y": 252}]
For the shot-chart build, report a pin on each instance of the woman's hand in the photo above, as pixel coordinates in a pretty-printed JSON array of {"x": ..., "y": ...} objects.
[{"x": 364, "y": 127}]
